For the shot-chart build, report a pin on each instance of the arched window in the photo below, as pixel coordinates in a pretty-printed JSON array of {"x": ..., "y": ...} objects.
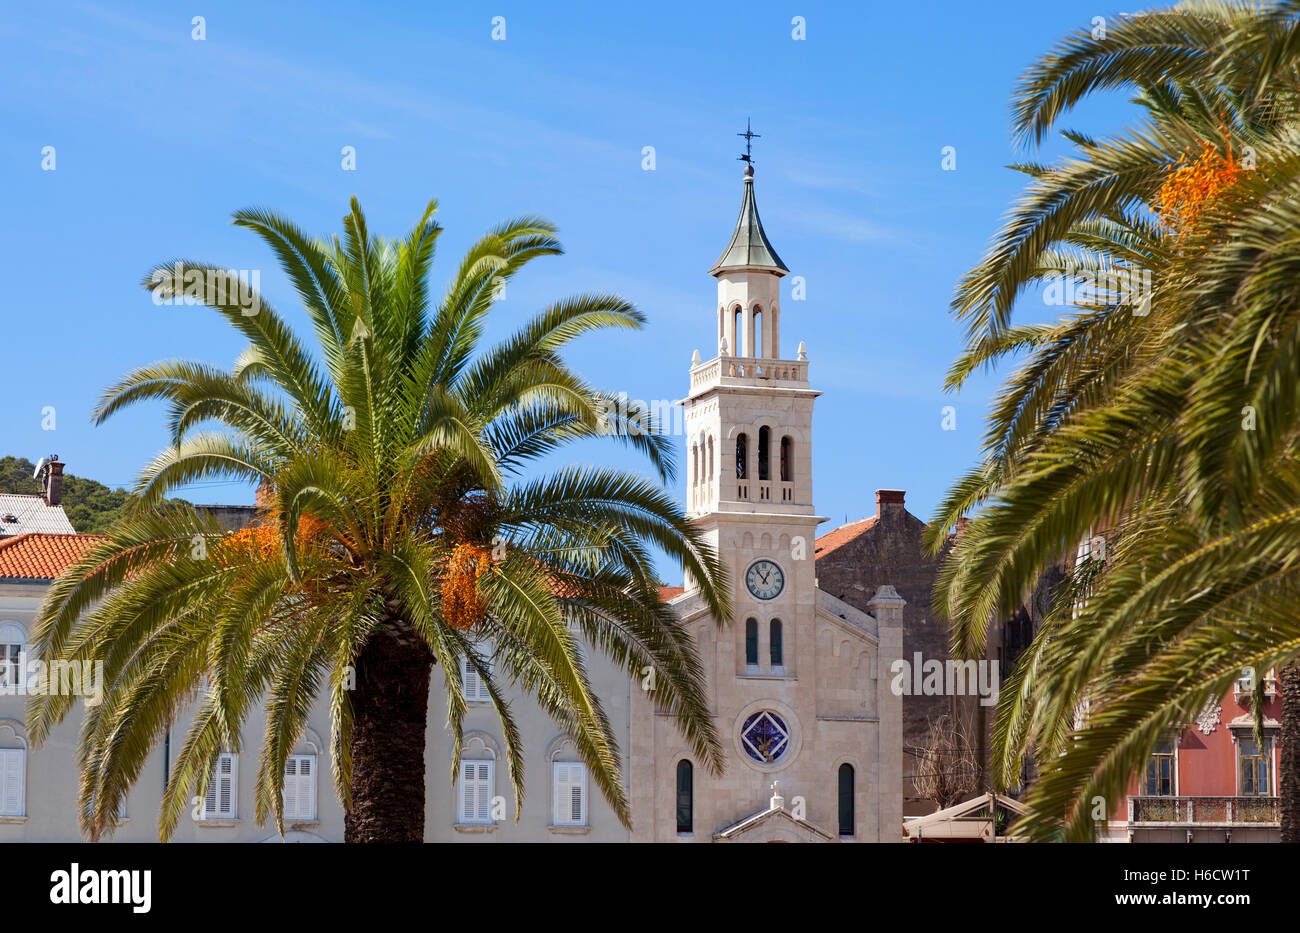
[
  {"x": 774, "y": 643},
  {"x": 709, "y": 475},
  {"x": 764, "y": 438},
  {"x": 300, "y": 787},
  {"x": 742, "y": 456},
  {"x": 787, "y": 453},
  {"x": 477, "y": 780},
  {"x": 846, "y": 799},
  {"x": 758, "y": 331},
  {"x": 11, "y": 649},
  {"x": 685, "y": 797},
  {"x": 568, "y": 786},
  {"x": 751, "y": 642},
  {"x": 695, "y": 464},
  {"x": 737, "y": 328}
]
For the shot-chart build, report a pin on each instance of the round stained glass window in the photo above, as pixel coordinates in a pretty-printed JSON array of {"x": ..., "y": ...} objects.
[{"x": 765, "y": 737}]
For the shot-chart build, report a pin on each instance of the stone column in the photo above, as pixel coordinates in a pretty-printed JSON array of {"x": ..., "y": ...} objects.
[{"x": 887, "y": 607}]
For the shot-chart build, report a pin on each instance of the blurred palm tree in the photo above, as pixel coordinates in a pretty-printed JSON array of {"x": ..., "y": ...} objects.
[
  {"x": 401, "y": 531},
  {"x": 1159, "y": 421}
]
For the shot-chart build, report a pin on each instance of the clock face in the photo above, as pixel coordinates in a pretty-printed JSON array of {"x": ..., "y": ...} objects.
[{"x": 765, "y": 579}]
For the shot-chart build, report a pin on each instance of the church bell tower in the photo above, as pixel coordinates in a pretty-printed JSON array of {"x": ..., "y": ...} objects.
[
  {"x": 796, "y": 677},
  {"x": 748, "y": 423}
]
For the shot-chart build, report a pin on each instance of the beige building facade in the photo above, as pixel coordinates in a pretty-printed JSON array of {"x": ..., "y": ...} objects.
[{"x": 798, "y": 680}]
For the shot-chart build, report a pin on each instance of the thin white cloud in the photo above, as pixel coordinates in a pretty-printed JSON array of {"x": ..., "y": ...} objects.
[{"x": 836, "y": 224}]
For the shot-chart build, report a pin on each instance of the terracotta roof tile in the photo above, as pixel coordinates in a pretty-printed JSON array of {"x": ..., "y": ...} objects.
[
  {"x": 670, "y": 592},
  {"x": 841, "y": 536},
  {"x": 39, "y": 556}
]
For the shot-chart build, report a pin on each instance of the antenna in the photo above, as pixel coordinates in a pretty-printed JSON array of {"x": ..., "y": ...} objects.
[{"x": 39, "y": 467}]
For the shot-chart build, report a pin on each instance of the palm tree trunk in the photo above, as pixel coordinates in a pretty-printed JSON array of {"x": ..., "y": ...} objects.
[
  {"x": 390, "y": 705},
  {"x": 1289, "y": 766}
]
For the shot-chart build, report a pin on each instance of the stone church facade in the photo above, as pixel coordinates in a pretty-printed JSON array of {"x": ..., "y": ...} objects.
[{"x": 798, "y": 680}]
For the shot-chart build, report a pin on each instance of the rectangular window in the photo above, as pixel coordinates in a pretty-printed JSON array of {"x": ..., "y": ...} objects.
[
  {"x": 477, "y": 787},
  {"x": 1160, "y": 771},
  {"x": 10, "y": 664},
  {"x": 1254, "y": 768},
  {"x": 570, "y": 782},
  {"x": 472, "y": 685},
  {"x": 300, "y": 787},
  {"x": 13, "y": 780},
  {"x": 221, "y": 802}
]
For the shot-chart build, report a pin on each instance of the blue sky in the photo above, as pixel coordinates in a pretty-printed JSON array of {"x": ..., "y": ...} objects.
[{"x": 159, "y": 137}]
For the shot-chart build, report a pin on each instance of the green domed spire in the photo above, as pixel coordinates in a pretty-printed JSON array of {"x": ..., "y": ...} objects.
[{"x": 749, "y": 247}]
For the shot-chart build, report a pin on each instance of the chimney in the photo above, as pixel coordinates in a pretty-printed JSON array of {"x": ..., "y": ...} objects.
[
  {"x": 52, "y": 482},
  {"x": 889, "y": 504},
  {"x": 262, "y": 498}
]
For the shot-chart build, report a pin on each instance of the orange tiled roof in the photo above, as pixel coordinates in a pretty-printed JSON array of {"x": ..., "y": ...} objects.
[
  {"x": 670, "y": 592},
  {"x": 841, "y": 536},
  {"x": 41, "y": 556}
]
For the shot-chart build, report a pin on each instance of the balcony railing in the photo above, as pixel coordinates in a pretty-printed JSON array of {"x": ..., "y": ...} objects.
[
  {"x": 745, "y": 370},
  {"x": 1219, "y": 811}
]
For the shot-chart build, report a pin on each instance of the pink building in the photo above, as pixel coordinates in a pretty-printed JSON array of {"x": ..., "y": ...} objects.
[{"x": 1211, "y": 782}]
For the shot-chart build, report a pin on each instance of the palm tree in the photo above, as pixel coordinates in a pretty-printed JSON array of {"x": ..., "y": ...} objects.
[
  {"x": 401, "y": 532},
  {"x": 1169, "y": 423}
]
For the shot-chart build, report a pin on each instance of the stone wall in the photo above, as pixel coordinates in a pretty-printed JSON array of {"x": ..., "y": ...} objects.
[{"x": 888, "y": 549}]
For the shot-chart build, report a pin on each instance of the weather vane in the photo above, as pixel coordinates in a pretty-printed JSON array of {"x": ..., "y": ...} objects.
[{"x": 750, "y": 136}]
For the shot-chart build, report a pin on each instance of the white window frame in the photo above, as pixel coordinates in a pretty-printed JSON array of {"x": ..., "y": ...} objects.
[
  {"x": 472, "y": 686},
  {"x": 566, "y": 777},
  {"x": 13, "y": 782},
  {"x": 477, "y": 790},
  {"x": 212, "y": 800},
  {"x": 11, "y": 635},
  {"x": 300, "y": 789}
]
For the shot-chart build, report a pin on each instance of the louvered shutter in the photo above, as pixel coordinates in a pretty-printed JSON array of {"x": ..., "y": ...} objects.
[
  {"x": 291, "y": 788},
  {"x": 559, "y": 788},
  {"x": 477, "y": 785},
  {"x": 300, "y": 787},
  {"x": 570, "y": 800},
  {"x": 485, "y": 789},
  {"x": 226, "y": 792},
  {"x": 470, "y": 682},
  {"x": 468, "y": 791},
  {"x": 210, "y": 801},
  {"x": 307, "y": 787},
  {"x": 578, "y": 795},
  {"x": 472, "y": 685},
  {"x": 13, "y": 772},
  {"x": 221, "y": 802}
]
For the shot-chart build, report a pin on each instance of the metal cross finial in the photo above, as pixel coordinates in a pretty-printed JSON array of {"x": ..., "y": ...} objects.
[{"x": 750, "y": 136}]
